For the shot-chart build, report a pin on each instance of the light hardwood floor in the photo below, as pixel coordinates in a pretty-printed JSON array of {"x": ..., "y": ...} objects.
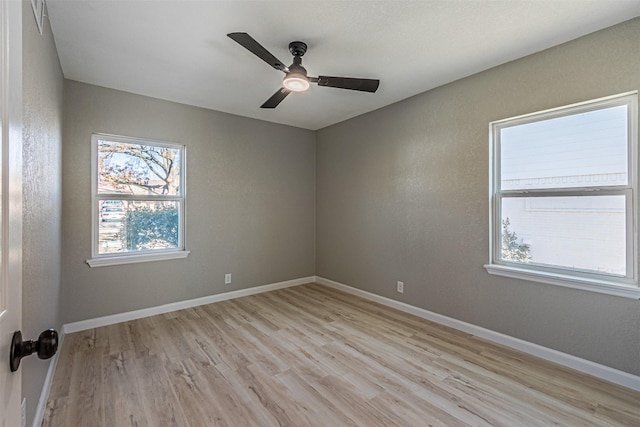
[{"x": 313, "y": 356}]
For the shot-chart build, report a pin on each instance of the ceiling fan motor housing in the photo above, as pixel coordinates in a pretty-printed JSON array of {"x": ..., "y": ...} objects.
[{"x": 296, "y": 67}]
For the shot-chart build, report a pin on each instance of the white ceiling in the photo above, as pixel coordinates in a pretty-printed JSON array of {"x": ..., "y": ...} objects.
[{"x": 178, "y": 50}]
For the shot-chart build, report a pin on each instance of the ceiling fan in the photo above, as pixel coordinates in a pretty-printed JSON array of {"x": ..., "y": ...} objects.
[{"x": 296, "y": 79}]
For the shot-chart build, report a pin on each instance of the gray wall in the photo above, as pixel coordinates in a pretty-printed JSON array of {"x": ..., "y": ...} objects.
[
  {"x": 42, "y": 147},
  {"x": 250, "y": 208},
  {"x": 402, "y": 194}
]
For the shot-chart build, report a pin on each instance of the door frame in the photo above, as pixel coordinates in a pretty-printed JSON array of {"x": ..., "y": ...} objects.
[{"x": 11, "y": 204}]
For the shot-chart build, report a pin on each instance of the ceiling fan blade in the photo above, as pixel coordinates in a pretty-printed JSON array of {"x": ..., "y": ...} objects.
[
  {"x": 364, "y": 85},
  {"x": 276, "y": 98},
  {"x": 249, "y": 43}
]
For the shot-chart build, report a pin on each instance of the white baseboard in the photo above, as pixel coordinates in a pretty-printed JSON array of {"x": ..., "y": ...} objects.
[
  {"x": 48, "y": 380},
  {"x": 606, "y": 373},
  {"x": 83, "y": 325}
]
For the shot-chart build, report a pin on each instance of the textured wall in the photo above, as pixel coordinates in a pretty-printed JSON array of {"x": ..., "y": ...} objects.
[
  {"x": 42, "y": 147},
  {"x": 402, "y": 194},
  {"x": 250, "y": 207}
]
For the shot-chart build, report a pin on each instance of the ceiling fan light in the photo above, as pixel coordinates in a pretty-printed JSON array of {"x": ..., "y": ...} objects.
[{"x": 296, "y": 82}]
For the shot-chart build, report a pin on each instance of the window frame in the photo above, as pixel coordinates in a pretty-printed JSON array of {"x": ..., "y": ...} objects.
[
  {"x": 606, "y": 283},
  {"x": 99, "y": 260}
]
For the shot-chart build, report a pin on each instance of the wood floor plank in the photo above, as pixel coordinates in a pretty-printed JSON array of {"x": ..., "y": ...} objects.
[
  {"x": 344, "y": 396},
  {"x": 161, "y": 409},
  {"x": 121, "y": 397},
  {"x": 85, "y": 403},
  {"x": 272, "y": 396},
  {"x": 314, "y": 356}
]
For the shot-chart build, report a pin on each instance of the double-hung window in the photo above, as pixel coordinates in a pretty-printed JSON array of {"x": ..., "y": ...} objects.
[
  {"x": 564, "y": 186},
  {"x": 138, "y": 200}
]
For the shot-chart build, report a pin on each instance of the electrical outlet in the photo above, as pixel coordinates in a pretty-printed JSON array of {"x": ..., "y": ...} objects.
[
  {"x": 227, "y": 279},
  {"x": 23, "y": 412},
  {"x": 400, "y": 287}
]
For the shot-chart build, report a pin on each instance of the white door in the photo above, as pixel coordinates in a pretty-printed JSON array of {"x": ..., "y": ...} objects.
[{"x": 11, "y": 204}]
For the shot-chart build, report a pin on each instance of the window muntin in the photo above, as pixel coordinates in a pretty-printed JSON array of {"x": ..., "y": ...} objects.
[
  {"x": 138, "y": 197},
  {"x": 563, "y": 182}
]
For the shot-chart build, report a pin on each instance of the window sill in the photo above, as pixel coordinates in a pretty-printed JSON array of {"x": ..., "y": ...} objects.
[
  {"x": 586, "y": 284},
  {"x": 135, "y": 258}
]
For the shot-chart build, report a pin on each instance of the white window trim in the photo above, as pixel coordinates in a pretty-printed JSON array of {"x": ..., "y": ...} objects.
[
  {"x": 604, "y": 284},
  {"x": 104, "y": 261},
  {"x": 101, "y": 260}
]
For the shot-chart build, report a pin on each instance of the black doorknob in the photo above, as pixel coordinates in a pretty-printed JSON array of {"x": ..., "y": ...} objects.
[{"x": 46, "y": 347}]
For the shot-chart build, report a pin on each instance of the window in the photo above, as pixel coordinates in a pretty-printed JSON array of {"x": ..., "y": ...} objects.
[
  {"x": 138, "y": 200},
  {"x": 563, "y": 196}
]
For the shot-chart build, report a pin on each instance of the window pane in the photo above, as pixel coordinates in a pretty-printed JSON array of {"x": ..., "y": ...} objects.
[
  {"x": 133, "y": 226},
  {"x": 580, "y": 150},
  {"x": 137, "y": 169},
  {"x": 584, "y": 233}
]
